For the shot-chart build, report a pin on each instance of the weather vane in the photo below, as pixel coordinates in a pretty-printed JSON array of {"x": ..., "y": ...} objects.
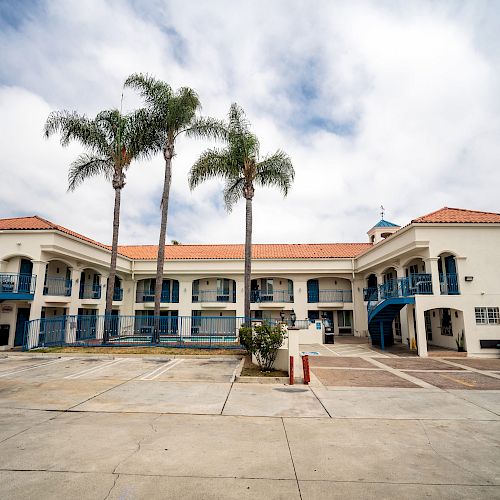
[{"x": 382, "y": 211}]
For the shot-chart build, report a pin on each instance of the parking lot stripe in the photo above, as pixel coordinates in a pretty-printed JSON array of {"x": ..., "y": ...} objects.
[
  {"x": 151, "y": 373},
  {"x": 93, "y": 369},
  {"x": 14, "y": 372},
  {"x": 162, "y": 370}
]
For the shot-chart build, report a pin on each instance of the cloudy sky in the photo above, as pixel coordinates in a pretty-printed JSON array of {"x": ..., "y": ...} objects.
[{"x": 384, "y": 102}]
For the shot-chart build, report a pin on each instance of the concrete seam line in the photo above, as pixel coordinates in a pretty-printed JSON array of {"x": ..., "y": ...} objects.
[
  {"x": 88, "y": 371},
  {"x": 331, "y": 350},
  {"x": 291, "y": 457},
  {"x": 488, "y": 373},
  {"x": 320, "y": 402},
  {"x": 402, "y": 375},
  {"x": 14, "y": 372}
]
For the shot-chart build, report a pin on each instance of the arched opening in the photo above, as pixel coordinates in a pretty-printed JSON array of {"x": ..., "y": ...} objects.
[
  {"x": 329, "y": 290},
  {"x": 417, "y": 280},
  {"x": 444, "y": 329},
  {"x": 57, "y": 281},
  {"x": 271, "y": 289},
  {"x": 90, "y": 284},
  {"x": 389, "y": 287},
  {"x": 146, "y": 291},
  {"x": 214, "y": 290},
  {"x": 371, "y": 290},
  {"x": 118, "y": 289},
  {"x": 448, "y": 274}
]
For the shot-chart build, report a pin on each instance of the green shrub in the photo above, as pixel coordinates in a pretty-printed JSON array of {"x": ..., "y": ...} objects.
[{"x": 263, "y": 341}]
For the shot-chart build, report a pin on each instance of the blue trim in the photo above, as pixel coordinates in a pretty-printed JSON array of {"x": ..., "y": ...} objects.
[
  {"x": 388, "y": 302},
  {"x": 16, "y": 296}
]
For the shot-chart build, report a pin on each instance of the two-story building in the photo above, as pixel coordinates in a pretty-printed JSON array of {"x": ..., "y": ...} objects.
[{"x": 426, "y": 284}]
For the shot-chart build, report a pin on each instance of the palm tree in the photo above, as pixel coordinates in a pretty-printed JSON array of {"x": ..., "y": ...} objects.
[
  {"x": 112, "y": 141},
  {"x": 239, "y": 164},
  {"x": 173, "y": 113}
]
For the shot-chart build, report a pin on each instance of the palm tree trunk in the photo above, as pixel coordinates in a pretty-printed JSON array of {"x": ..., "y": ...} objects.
[
  {"x": 167, "y": 154},
  {"x": 110, "y": 289},
  {"x": 248, "y": 256}
]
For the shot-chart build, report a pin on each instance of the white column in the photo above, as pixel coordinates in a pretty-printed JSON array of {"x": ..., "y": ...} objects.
[
  {"x": 421, "y": 334},
  {"x": 185, "y": 305},
  {"x": 38, "y": 301},
  {"x": 431, "y": 267},
  {"x": 300, "y": 304},
  {"x": 76, "y": 273},
  {"x": 411, "y": 327},
  {"x": 3, "y": 265},
  {"x": 240, "y": 293}
]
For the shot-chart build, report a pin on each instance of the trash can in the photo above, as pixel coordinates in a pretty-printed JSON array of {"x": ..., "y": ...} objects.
[{"x": 329, "y": 337}]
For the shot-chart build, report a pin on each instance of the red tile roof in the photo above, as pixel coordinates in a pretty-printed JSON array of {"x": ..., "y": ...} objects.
[
  {"x": 276, "y": 251},
  {"x": 459, "y": 215},
  {"x": 39, "y": 224},
  {"x": 203, "y": 252}
]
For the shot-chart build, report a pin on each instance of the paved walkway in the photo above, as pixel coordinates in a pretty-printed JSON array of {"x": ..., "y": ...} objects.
[{"x": 94, "y": 427}]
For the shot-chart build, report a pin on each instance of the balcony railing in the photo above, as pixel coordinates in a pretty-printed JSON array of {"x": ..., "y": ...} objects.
[
  {"x": 370, "y": 293},
  {"x": 90, "y": 291},
  {"x": 143, "y": 296},
  {"x": 118, "y": 294},
  {"x": 449, "y": 284},
  {"x": 213, "y": 296},
  {"x": 320, "y": 296},
  {"x": 14, "y": 283},
  {"x": 57, "y": 286},
  {"x": 276, "y": 296}
]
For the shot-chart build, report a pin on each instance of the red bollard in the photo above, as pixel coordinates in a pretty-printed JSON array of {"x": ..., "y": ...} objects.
[
  {"x": 305, "y": 366},
  {"x": 291, "y": 370}
]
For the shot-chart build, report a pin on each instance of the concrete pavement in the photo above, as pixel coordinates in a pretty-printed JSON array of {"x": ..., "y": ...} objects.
[{"x": 144, "y": 429}]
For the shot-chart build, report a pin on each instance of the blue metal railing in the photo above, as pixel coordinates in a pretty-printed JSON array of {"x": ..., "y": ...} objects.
[
  {"x": 369, "y": 292},
  {"x": 149, "y": 296},
  {"x": 213, "y": 296},
  {"x": 16, "y": 283},
  {"x": 57, "y": 286},
  {"x": 118, "y": 294},
  {"x": 90, "y": 291},
  {"x": 318, "y": 296},
  {"x": 449, "y": 284},
  {"x": 415, "y": 284},
  {"x": 275, "y": 296},
  {"x": 172, "y": 331}
]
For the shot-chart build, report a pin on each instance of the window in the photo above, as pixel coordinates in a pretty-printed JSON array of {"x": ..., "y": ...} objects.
[
  {"x": 344, "y": 321},
  {"x": 487, "y": 316}
]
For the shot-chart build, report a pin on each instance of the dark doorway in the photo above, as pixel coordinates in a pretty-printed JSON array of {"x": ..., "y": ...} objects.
[{"x": 23, "y": 315}]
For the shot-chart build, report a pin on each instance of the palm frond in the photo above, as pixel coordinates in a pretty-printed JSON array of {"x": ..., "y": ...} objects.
[
  {"x": 277, "y": 171},
  {"x": 73, "y": 126},
  {"x": 86, "y": 166},
  {"x": 212, "y": 164},
  {"x": 233, "y": 192},
  {"x": 208, "y": 128},
  {"x": 155, "y": 92}
]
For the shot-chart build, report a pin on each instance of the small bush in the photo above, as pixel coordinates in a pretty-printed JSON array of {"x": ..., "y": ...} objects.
[{"x": 263, "y": 341}]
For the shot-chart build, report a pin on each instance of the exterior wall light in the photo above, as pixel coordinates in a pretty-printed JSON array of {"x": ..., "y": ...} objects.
[
  {"x": 469, "y": 278},
  {"x": 293, "y": 317}
]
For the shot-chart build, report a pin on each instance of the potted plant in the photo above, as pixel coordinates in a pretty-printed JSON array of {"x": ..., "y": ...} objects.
[{"x": 460, "y": 342}]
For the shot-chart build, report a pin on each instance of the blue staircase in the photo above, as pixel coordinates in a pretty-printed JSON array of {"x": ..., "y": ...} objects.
[{"x": 385, "y": 302}]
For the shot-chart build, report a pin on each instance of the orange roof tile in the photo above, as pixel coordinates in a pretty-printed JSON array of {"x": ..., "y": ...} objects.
[
  {"x": 459, "y": 215},
  {"x": 275, "y": 251},
  {"x": 38, "y": 223}
]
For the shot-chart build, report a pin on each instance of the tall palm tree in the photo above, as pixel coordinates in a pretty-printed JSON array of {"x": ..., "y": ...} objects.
[
  {"x": 239, "y": 164},
  {"x": 112, "y": 141},
  {"x": 173, "y": 113}
]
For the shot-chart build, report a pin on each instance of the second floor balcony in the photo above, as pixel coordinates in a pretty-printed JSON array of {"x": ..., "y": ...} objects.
[
  {"x": 57, "y": 286},
  {"x": 148, "y": 296},
  {"x": 322, "y": 296},
  {"x": 118, "y": 294},
  {"x": 92, "y": 291},
  {"x": 284, "y": 296},
  {"x": 15, "y": 285},
  {"x": 415, "y": 284},
  {"x": 214, "y": 296},
  {"x": 448, "y": 283}
]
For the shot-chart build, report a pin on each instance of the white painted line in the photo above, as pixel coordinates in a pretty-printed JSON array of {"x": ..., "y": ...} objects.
[
  {"x": 153, "y": 373},
  {"x": 93, "y": 369},
  {"x": 336, "y": 354},
  {"x": 171, "y": 365},
  {"x": 14, "y": 372}
]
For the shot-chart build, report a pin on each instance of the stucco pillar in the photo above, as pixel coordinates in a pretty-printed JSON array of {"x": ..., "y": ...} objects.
[
  {"x": 240, "y": 301},
  {"x": 300, "y": 304},
  {"x": 400, "y": 272},
  {"x": 37, "y": 303},
  {"x": 421, "y": 334},
  {"x": 3, "y": 265},
  {"x": 412, "y": 343},
  {"x": 431, "y": 267},
  {"x": 185, "y": 305},
  {"x": 76, "y": 273}
]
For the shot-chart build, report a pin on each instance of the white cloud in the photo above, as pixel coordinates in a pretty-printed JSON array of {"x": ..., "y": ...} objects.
[{"x": 415, "y": 83}]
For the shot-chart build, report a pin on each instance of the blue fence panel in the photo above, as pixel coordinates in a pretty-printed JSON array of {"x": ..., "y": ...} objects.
[
  {"x": 15, "y": 283},
  {"x": 57, "y": 286}
]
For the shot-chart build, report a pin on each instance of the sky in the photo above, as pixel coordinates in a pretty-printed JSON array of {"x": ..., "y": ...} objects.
[{"x": 393, "y": 103}]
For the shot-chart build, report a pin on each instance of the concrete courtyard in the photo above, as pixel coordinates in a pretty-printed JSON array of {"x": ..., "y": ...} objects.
[{"x": 368, "y": 426}]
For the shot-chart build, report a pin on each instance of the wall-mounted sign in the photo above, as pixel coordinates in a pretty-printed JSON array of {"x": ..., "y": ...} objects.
[{"x": 7, "y": 309}]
